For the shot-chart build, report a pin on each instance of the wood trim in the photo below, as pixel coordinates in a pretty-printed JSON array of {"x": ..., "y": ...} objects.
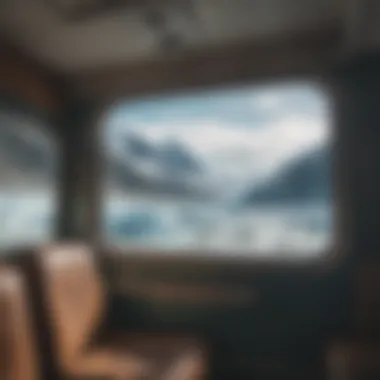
[
  {"x": 25, "y": 79},
  {"x": 212, "y": 265},
  {"x": 308, "y": 53},
  {"x": 189, "y": 294},
  {"x": 83, "y": 11}
]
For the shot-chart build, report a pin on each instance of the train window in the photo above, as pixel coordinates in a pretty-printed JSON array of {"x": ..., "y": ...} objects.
[
  {"x": 243, "y": 171},
  {"x": 27, "y": 173}
]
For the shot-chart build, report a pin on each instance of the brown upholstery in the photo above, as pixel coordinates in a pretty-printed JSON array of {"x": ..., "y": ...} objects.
[
  {"x": 74, "y": 293},
  {"x": 17, "y": 346},
  {"x": 75, "y": 304}
]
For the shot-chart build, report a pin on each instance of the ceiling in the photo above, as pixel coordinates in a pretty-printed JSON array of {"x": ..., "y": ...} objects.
[{"x": 122, "y": 35}]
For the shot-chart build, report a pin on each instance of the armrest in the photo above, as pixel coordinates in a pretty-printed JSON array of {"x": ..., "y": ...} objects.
[
  {"x": 170, "y": 356},
  {"x": 190, "y": 366},
  {"x": 107, "y": 365}
]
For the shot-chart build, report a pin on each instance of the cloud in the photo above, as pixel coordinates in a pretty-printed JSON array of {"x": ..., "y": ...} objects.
[
  {"x": 268, "y": 101},
  {"x": 243, "y": 146},
  {"x": 245, "y": 150}
]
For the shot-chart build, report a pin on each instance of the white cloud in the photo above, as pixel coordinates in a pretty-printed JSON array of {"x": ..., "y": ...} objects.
[
  {"x": 267, "y": 101},
  {"x": 238, "y": 152},
  {"x": 247, "y": 151}
]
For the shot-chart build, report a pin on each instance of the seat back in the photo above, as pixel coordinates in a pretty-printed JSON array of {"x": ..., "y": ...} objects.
[
  {"x": 18, "y": 356},
  {"x": 73, "y": 296}
]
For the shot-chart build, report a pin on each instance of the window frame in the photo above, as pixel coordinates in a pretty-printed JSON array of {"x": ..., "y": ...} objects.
[{"x": 329, "y": 259}]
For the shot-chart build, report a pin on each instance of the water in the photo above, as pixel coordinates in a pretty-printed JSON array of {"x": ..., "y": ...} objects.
[
  {"x": 296, "y": 230},
  {"x": 289, "y": 229}
]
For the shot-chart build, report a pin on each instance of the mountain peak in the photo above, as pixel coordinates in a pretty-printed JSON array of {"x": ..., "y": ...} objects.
[{"x": 305, "y": 178}]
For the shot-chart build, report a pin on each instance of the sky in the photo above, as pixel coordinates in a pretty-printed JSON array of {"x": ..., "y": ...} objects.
[{"x": 240, "y": 134}]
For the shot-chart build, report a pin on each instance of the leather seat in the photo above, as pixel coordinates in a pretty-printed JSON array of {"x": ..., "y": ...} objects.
[
  {"x": 18, "y": 355},
  {"x": 74, "y": 300}
]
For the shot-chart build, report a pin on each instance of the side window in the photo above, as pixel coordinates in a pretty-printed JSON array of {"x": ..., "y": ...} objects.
[
  {"x": 235, "y": 171},
  {"x": 28, "y": 169}
]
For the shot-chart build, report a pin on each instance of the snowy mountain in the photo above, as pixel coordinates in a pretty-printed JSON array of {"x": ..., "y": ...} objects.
[{"x": 305, "y": 178}]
